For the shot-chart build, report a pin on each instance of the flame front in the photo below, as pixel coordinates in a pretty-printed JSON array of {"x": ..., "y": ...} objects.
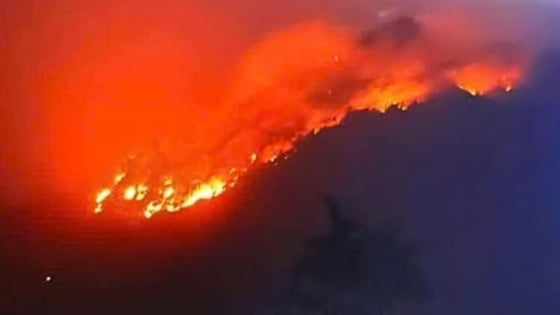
[
  {"x": 480, "y": 79},
  {"x": 298, "y": 82},
  {"x": 165, "y": 197}
]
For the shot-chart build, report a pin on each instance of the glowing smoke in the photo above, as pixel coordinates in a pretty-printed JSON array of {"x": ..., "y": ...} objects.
[
  {"x": 308, "y": 77},
  {"x": 186, "y": 97}
]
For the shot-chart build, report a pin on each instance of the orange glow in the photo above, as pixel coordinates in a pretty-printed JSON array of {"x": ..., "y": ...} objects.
[
  {"x": 133, "y": 94},
  {"x": 292, "y": 83},
  {"x": 480, "y": 78},
  {"x": 168, "y": 199}
]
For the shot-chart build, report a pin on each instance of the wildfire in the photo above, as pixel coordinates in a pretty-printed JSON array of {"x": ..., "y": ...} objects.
[
  {"x": 480, "y": 78},
  {"x": 167, "y": 198},
  {"x": 295, "y": 83}
]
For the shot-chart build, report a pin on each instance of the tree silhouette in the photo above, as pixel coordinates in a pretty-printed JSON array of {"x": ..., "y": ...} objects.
[{"x": 353, "y": 270}]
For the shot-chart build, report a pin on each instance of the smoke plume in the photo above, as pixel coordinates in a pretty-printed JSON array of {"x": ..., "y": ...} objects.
[{"x": 167, "y": 104}]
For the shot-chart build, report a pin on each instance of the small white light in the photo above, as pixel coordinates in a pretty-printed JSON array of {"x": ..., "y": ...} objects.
[{"x": 48, "y": 279}]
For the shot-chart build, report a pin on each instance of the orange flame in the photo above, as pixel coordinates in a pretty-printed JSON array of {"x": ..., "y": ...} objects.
[
  {"x": 480, "y": 79},
  {"x": 295, "y": 83}
]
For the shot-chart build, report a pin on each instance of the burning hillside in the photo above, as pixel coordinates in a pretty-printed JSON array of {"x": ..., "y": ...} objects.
[{"x": 298, "y": 81}]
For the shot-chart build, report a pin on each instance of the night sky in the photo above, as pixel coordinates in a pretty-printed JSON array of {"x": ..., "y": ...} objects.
[{"x": 474, "y": 180}]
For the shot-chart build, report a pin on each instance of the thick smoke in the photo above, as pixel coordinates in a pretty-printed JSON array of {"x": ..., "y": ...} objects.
[{"x": 201, "y": 91}]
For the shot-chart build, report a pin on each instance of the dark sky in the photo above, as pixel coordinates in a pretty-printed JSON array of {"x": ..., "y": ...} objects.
[{"x": 473, "y": 180}]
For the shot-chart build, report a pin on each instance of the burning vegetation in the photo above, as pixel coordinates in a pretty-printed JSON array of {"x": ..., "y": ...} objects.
[{"x": 298, "y": 81}]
